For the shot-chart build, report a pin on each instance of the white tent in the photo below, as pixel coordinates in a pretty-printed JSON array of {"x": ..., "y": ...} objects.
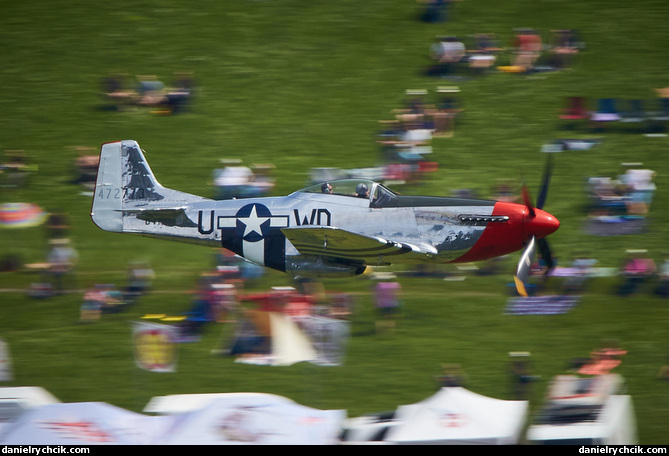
[
  {"x": 256, "y": 419},
  {"x": 585, "y": 411},
  {"x": 83, "y": 423},
  {"x": 288, "y": 344},
  {"x": 455, "y": 415},
  {"x": 278, "y": 339},
  {"x": 612, "y": 424},
  {"x": 181, "y": 403},
  {"x": 15, "y": 400},
  {"x": 27, "y": 396}
]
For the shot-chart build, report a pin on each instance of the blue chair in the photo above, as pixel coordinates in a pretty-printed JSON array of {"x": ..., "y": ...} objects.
[
  {"x": 660, "y": 118},
  {"x": 634, "y": 112},
  {"x": 662, "y": 114},
  {"x": 606, "y": 111},
  {"x": 635, "y": 116}
]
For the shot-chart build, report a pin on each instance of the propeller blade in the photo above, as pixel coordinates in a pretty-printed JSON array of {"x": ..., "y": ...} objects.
[
  {"x": 546, "y": 254},
  {"x": 527, "y": 199},
  {"x": 541, "y": 200},
  {"x": 527, "y": 258},
  {"x": 524, "y": 266}
]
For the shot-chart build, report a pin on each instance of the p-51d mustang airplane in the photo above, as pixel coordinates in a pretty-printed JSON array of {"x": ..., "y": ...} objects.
[{"x": 336, "y": 228}]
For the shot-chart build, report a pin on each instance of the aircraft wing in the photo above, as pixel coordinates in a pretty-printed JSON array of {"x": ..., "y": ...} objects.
[{"x": 340, "y": 244}]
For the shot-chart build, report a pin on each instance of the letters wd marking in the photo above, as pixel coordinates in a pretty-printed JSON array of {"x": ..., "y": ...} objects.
[
  {"x": 254, "y": 234},
  {"x": 316, "y": 218}
]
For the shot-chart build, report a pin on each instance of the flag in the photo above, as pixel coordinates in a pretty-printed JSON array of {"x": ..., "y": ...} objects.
[{"x": 155, "y": 346}]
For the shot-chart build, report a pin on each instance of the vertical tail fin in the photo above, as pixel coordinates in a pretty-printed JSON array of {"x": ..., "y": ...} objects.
[
  {"x": 107, "y": 211},
  {"x": 125, "y": 183}
]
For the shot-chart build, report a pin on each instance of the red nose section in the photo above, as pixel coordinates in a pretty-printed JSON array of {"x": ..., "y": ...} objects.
[
  {"x": 540, "y": 225},
  {"x": 500, "y": 238}
]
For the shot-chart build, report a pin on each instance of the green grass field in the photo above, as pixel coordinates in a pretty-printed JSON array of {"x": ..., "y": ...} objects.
[{"x": 302, "y": 85}]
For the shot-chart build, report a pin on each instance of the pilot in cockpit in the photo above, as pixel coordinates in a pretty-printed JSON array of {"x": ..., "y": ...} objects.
[
  {"x": 326, "y": 188},
  {"x": 362, "y": 191}
]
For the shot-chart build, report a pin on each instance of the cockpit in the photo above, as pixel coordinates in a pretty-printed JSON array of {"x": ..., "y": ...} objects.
[{"x": 377, "y": 194}]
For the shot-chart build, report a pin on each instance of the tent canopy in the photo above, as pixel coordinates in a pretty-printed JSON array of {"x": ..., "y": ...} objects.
[
  {"x": 182, "y": 403},
  {"x": 83, "y": 423},
  {"x": 28, "y": 396},
  {"x": 256, "y": 419},
  {"x": 271, "y": 338},
  {"x": 15, "y": 400},
  {"x": 455, "y": 415},
  {"x": 277, "y": 339}
]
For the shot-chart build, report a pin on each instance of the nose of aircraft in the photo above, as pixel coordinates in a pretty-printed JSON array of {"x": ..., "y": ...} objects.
[{"x": 541, "y": 224}]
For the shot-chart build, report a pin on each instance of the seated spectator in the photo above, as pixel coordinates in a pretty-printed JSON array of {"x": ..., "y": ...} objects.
[
  {"x": 341, "y": 306},
  {"x": 447, "y": 53},
  {"x": 140, "y": 280},
  {"x": 15, "y": 169},
  {"x": 116, "y": 92},
  {"x": 61, "y": 259},
  {"x": 232, "y": 181},
  {"x": 636, "y": 271},
  {"x": 178, "y": 96},
  {"x": 435, "y": 10},
  {"x": 57, "y": 225},
  {"x": 150, "y": 90},
  {"x": 86, "y": 168},
  {"x": 387, "y": 297},
  {"x": 263, "y": 181},
  {"x": 521, "y": 375},
  {"x": 604, "y": 359},
  {"x": 528, "y": 47},
  {"x": 641, "y": 188},
  {"x": 563, "y": 48},
  {"x": 484, "y": 54},
  {"x": 298, "y": 305},
  {"x": 91, "y": 308},
  {"x": 414, "y": 104},
  {"x": 415, "y": 133},
  {"x": 607, "y": 196},
  {"x": 447, "y": 109},
  {"x": 113, "y": 299},
  {"x": 662, "y": 288}
]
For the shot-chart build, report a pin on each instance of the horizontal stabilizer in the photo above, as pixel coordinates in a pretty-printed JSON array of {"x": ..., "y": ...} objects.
[
  {"x": 165, "y": 210},
  {"x": 345, "y": 245},
  {"x": 165, "y": 216}
]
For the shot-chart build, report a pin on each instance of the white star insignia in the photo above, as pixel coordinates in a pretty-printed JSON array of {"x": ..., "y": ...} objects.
[{"x": 253, "y": 223}]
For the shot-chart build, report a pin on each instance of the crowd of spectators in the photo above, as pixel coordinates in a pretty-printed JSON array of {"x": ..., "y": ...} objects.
[
  {"x": 121, "y": 93},
  {"x": 629, "y": 194},
  {"x": 649, "y": 116},
  {"x": 482, "y": 53}
]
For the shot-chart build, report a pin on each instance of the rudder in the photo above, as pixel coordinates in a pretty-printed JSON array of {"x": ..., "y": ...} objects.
[{"x": 108, "y": 195}]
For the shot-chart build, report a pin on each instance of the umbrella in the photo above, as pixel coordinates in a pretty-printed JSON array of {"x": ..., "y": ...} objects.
[{"x": 21, "y": 215}]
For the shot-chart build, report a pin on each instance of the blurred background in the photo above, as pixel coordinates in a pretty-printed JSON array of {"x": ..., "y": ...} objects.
[{"x": 247, "y": 98}]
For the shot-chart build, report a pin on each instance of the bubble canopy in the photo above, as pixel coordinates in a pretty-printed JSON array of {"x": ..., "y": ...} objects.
[{"x": 354, "y": 188}]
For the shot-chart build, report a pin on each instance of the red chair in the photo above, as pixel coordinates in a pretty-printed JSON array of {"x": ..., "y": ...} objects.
[{"x": 575, "y": 109}]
